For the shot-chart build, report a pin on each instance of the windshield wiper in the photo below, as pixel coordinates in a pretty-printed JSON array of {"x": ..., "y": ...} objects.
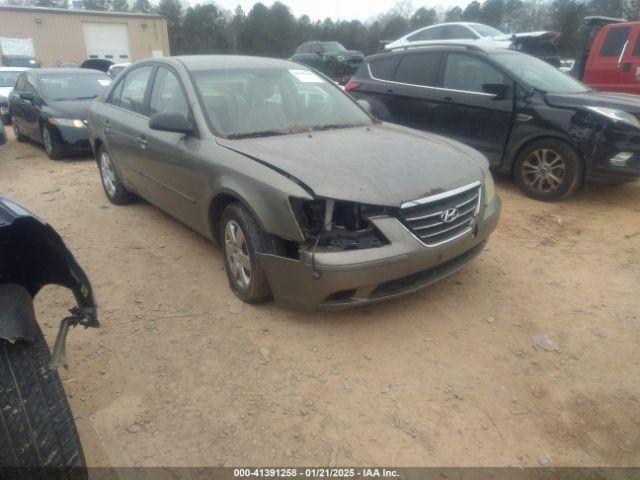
[{"x": 264, "y": 133}]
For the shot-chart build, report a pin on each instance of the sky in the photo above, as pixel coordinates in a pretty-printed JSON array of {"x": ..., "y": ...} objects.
[{"x": 337, "y": 9}]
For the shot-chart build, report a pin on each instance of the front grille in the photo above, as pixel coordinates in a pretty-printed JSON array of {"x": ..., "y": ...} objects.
[{"x": 426, "y": 218}]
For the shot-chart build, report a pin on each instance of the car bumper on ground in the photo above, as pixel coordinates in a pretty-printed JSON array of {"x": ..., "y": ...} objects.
[
  {"x": 358, "y": 277},
  {"x": 616, "y": 157}
]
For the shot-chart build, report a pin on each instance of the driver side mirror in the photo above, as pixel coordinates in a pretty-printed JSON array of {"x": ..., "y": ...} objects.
[
  {"x": 499, "y": 89},
  {"x": 170, "y": 122},
  {"x": 27, "y": 96}
]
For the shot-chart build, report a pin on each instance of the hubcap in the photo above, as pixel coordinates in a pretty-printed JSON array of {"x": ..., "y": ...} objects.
[
  {"x": 46, "y": 139},
  {"x": 107, "y": 174},
  {"x": 237, "y": 251},
  {"x": 544, "y": 170}
]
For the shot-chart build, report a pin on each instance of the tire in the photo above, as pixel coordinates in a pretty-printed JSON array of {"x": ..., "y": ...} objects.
[
  {"x": 111, "y": 183},
  {"x": 37, "y": 430},
  {"x": 256, "y": 289},
  {"x": 16, "y": 131},
  {"x": 51, "y": 146},
  {"x": 548, "y": 170}
]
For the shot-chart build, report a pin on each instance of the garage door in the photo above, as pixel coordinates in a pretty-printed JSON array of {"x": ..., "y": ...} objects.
[{"x": 107, "y": 40}]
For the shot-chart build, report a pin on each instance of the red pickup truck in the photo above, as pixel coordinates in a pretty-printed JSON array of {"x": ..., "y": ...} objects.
[{"x": 609, "y": 58}]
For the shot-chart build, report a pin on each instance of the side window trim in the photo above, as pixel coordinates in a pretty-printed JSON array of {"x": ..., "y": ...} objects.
[
  {"x": 444, "y": 56},
  {"x": 147, "y": 92},
  {"x": 190, "y": 116}
]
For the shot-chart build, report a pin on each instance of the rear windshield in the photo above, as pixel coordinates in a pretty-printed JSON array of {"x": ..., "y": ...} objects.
[
  {"x": 243, "y": 103},
  {"x": 486, "y": 30},
  {"x": 538, "y": 74},
  {"x": 73, "y": 86}
]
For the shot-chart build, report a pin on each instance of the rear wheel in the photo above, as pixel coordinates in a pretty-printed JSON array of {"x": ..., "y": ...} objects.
[
  {"x": 113, "y": 187},
  {"x": 38, "y": 437},
  {"x": 548, "y": 170},
  {"x": 16, "y": 132}
]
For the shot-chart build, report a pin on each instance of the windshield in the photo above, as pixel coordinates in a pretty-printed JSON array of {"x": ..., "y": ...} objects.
[
  {"x": 330, "y": 47},
  {"x": 486, "y": 30},
  {"x": 262, "y": 102},
  {"x": 539, "y": 74},
  {"x": 8, "y": 79},
  {"x": 22, "y": 62},
  {"x": 73, "y": 86}
]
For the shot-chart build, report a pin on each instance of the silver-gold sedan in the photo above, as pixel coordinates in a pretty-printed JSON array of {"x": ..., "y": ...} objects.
[{"x": 315, "y": 203}]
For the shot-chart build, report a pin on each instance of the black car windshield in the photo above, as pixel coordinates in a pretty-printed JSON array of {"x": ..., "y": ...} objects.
[
  {"x": 331, "y": 47},
  {"x": 73, "y": 86},
  {"x": 486, "y": 30},
  {"x": 539, "y": 74},
  {"x": 22, "y": 62},
  {"x": 244, "y": 103},
  {"x": 8, "y": 79}
]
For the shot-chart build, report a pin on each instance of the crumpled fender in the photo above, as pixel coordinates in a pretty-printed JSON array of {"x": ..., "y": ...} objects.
[
  {"x": 33, "y": 255},
  {"x": 17, "y": 317}
]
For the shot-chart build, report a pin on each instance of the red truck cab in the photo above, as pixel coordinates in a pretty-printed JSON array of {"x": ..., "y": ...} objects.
[{"x": 610, "y": 55}]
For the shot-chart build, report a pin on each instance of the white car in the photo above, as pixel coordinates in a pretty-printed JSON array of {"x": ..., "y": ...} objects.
[
  {"x": 485, "y": 35},
  {"x": 8, "y": 78}
]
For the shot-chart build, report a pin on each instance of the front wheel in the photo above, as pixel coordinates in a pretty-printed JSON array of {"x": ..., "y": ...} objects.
[
  {"x": 548, "y": 170},
  {"x": 241, "y": 239},
  {"x": 51, "y": 145},
  {"x": 37, "y": 432}
]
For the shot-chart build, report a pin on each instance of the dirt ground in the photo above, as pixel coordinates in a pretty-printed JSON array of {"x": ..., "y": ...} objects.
[{"x": 183, "y": 374}]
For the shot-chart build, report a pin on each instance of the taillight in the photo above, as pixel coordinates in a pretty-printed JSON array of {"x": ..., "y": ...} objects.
[{"x": 351, "y": 86}]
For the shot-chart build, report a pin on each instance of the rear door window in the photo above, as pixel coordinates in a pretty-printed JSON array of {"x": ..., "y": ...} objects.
[
  {"x": 614, "y": 42},
  {"x": 636, "y": 49},
  {"x": 384, "y": 68},
  {"x": 468, "y": 74},
  {"x": 433, "y": 33},
  {"x": 134, "y": 88},
  {"x": 454, "y": 32},
  {"x": 419, "y": 69}
]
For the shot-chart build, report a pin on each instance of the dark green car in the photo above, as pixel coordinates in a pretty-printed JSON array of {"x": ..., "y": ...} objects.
[{"x": 315, "y": 202}]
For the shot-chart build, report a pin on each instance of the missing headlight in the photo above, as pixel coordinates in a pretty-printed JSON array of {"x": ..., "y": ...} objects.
[{"x": 337, "y": 225}]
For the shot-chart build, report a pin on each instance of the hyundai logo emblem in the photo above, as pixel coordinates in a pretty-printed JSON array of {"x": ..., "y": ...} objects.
[{"x": 449, "y": 215}]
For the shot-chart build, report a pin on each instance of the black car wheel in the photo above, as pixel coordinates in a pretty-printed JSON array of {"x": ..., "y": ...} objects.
[
  {"x": 548, "y": 170},
  {"x": 16, "y": 132},
  {"x": 241, "y": 237},
  {"x": 50, "y": 144},
  {"x": 38, "y": 436},
  {"x": 113, "y": 187}
]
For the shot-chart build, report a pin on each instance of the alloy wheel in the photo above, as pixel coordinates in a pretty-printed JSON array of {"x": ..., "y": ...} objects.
[
  {"x": 108, "y": 174},
  {"x": 544, "y": 170},
  {"x": 237, "y": 251},
  {"x": 46, "y": 140}
]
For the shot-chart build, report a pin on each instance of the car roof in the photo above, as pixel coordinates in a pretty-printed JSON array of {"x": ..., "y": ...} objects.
[
  {"x": 208, "y": 62},
  {"x": 449, "y": 45},
  {"x": 45, "y": 71}
]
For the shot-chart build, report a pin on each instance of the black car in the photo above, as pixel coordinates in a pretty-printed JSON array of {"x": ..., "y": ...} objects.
[
  {"x": 50, "y": 106},
  {"x": 330, "y": 58},
  {"x": 547, "y": 129}
]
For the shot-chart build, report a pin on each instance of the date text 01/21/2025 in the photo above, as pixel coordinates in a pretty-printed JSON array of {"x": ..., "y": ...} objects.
[{"x": 314, "y": 473}]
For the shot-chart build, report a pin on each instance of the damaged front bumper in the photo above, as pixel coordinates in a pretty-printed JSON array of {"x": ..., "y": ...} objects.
[{"x": 335, "y": 280}]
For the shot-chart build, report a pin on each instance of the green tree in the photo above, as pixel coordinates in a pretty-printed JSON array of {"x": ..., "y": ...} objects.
[
  {"x": 453, "y": 15},
  {"x": 632, "y": 10},
  {"x": 120, "y": 5},
  {"x": 203, "y": 30},
  {"x": 423, "y": 17},
  {"x": 492, "y": 12},
  {"x": 473, "y": 12},
  {"x": 395, "y": 27},
  {"x": 172, "y": 11},
  {"x": 142, "y": 6},
  {"x": 607, "y": 8},
  {"x": 96, "y": 4},
  {"x": 566, "y": 17}
]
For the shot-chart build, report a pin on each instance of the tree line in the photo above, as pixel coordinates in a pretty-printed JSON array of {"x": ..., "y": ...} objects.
[{"x": 274, "y": 31}]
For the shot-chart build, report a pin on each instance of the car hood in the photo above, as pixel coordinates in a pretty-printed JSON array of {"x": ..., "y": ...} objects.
[
  {"x": 5, "y": 91},
  {"x": 621, "y": 101},
  {"x": 70, "y": 108},
  {"x": 347, "y": 54},
  {"x": 382, "y": 164}
]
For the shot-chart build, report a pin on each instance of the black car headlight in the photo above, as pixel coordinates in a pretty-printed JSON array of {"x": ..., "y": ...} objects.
[{"x": 337, "y": 224}]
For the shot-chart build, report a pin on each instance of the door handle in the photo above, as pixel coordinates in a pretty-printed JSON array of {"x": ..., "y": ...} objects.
[
  {"x": 143, "y": 141},
  {"x": 626, "y": 67},
  {"x": 389, "y": 90},
  {"x": 448, "y": 99},
  {"x": 107, "y": 125}
]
